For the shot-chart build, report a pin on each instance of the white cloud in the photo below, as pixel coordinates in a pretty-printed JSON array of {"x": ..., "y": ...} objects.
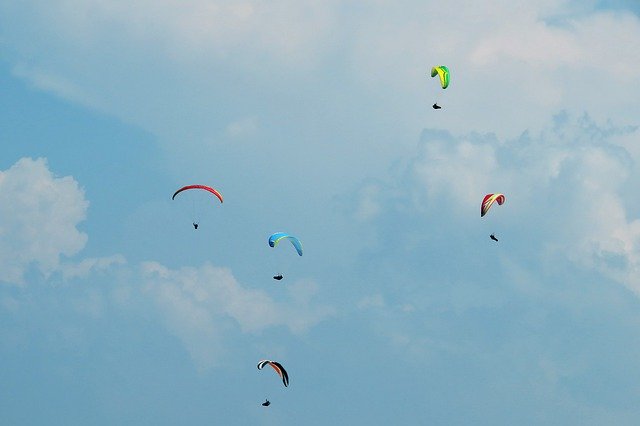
[
  {"x": 200, "y": 304},
  {"x": 566, "y": 190},
  {"x": 368, "y": 202},
  {"x": 191, "y": 29},
  {"x": 459, "y": 170},
  {"x": 539, "y": 45},
  {"x": 40, "y": 214},
  {"x": 202, "y": 307},
  {"x": 85, "y": 267},
  {"x": 60, "y": 86},
  {"x": 510, "y": 61}
]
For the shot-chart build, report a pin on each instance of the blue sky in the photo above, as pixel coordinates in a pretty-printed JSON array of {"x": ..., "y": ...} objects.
[{"x": 316, "y": 119}]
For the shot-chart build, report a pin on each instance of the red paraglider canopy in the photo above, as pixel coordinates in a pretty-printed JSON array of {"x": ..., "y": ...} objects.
[
  {"x": 488, "y": 201},
  {"x": 206, "y": 188}
]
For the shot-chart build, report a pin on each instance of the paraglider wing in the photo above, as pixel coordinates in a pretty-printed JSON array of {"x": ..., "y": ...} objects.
[
  {"x": 281, "y": 372},
  {"x": 277, "y": 367},
  {"x": 278, "y": 236},
  {"x": 206, "y": 188},
  {"x": 488, "y": 201},
  {"x": 442, "y": 72}
]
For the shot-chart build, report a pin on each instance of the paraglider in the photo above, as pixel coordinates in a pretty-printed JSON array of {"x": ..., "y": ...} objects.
[
  {"x": 277, "y": 367},
  {"x": 443, "y": 73},
  {"x": 266, "y": 403},
  {"x": 279, "y": 236},
  {"x": 493, "y": 237},
  {"x": 278, "y": 277},
  {"x": 195, "y": 201},
  {"x": 488, "y": 201}
]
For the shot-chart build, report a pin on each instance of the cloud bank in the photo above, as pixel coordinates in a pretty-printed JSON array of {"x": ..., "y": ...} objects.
[{"x": 40, "y": 217}]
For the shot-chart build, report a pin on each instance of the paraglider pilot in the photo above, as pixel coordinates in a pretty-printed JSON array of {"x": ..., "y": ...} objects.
[{"x": 195, "y": 225}]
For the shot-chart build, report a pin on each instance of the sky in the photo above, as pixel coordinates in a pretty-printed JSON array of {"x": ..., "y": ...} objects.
[{"x": 314, "y": 118}]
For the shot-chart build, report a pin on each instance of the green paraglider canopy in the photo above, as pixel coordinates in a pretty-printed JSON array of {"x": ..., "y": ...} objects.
[{"x": 442, "y": 72}]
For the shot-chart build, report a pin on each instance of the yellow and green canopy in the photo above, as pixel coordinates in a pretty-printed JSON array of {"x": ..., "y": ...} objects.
[{"x": 442, "y": 72}]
